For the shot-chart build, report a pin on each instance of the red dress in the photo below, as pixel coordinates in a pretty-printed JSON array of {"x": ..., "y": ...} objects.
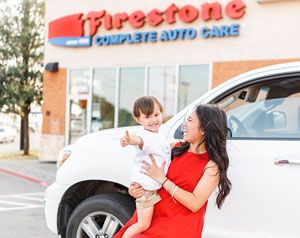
[{"x": 172, "y": 219}]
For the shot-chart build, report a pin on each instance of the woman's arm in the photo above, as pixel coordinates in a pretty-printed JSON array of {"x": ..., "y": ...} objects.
[
  {"x": 192, "y": 200},
  {"x": 205, "y": 187}
]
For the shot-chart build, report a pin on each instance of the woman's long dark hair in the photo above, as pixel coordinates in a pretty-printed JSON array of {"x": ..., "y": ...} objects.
[{"x": 213, "y": 122}]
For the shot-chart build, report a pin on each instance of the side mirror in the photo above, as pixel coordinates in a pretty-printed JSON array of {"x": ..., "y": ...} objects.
[
  {"x": 275, "y": 120},
  {"x": 178, "y": 133},
  {"x": 229, "y": 133}
]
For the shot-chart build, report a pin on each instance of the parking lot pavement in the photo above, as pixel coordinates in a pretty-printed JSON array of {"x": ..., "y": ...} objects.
[
  {"x": 43, "y": 171},
  {"x": 22, "y": 208},
  {"x": 21, "y": 201},
  {"x": 22, "y": 198},
  {"x": 25, "y": 223}
]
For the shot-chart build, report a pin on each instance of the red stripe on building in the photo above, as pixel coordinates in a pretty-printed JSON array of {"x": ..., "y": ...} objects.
[{"x": 68, "y": 26}]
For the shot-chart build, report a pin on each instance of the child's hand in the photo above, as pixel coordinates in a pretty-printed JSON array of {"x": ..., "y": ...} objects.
[
  {"x": 125, "y": 140},
  {"x": 136, "y": 190}
]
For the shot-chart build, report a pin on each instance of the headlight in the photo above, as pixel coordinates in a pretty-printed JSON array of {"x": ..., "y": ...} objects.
[{"x": 62, "y": 157}]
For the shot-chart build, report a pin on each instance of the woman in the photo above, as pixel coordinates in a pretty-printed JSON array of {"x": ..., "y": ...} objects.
[{"x": 199, "y": 165}]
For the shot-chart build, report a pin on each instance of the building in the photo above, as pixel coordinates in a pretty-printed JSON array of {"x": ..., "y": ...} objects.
[{"x": 101, "y": 55}]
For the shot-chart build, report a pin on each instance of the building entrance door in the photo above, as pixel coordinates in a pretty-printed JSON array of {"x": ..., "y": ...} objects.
[
  {"x": 78, "y": 104},
  {"x": 78, "y": 119}
]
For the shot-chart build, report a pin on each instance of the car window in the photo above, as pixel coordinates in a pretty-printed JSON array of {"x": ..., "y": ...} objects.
[{"x": 265, "y": 110}]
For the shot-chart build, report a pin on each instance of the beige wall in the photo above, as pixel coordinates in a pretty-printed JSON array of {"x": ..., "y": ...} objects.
[{"x": 268, "y": 31}]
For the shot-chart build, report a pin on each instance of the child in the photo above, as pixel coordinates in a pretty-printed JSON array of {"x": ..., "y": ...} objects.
[{"x": 147, "y": 112}]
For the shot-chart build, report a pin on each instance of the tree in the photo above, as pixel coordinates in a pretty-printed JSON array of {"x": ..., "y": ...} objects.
[{"x": 21, "y": 59}]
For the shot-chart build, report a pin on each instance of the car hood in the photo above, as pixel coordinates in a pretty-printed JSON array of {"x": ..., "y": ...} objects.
[
  {"x": 116, "y": 134},
  {"x": 108, "y": 134}
]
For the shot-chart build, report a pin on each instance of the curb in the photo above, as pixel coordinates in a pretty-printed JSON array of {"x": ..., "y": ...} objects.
[{"x": 25, "y": 177}]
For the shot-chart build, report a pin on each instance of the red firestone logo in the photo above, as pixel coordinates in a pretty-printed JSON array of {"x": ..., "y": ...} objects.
[
  {"x": 235, "y": 9},
  {"x": 69, "y": 30}
]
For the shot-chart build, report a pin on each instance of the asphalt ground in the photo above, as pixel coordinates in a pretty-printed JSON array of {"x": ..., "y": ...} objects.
[{"x": 22, "y": 187}]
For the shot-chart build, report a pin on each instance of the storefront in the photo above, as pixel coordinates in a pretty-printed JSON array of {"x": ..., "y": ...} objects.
[{"x": 101, "y": 55}]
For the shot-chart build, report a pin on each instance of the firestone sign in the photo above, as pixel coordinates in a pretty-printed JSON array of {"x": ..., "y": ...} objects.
[{"x": 69, "y": 30}]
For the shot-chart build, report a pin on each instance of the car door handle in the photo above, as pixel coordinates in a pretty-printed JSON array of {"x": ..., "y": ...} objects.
[{"x": 280, "y": 161}]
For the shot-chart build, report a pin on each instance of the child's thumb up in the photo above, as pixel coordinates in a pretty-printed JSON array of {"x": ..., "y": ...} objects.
[{"x": 127, "y": 136}]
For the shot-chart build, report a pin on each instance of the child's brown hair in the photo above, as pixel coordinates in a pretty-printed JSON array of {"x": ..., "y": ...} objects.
[{"x": 145, "y": 105}]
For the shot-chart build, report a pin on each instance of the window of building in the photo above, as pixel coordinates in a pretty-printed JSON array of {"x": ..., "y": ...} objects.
[
  {"x": 103, "y": 99},
  {"x": 193, "y": 82},
  {"x": 78, "y": 104},
  {"x": 79, "y": 82},
  {"x": 162, "y": 85},
  {"x": 78, "y": 119},
  {"x": 131, "y": 87}
]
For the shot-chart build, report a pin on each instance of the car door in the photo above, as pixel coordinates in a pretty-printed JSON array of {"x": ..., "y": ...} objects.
[{"x": 264, "y": 151}]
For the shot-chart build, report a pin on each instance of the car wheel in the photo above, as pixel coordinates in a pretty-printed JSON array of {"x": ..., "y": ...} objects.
[{"x": 100, "y": 216}]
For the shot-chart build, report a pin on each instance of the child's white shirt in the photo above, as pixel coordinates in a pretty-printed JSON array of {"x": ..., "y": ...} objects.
[{"x": 155, "y": 144}]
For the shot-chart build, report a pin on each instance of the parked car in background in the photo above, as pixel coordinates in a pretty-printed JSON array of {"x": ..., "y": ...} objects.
[
  {"x": 7, "y": 134},
  {"x": 32, "y": 127},
  {"x": 89, "y": 197}
]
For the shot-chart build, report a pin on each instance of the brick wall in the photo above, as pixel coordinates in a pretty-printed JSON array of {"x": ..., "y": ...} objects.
[
  {"x": 223, "y": 71},
  {"x": 54, "y": 102}
]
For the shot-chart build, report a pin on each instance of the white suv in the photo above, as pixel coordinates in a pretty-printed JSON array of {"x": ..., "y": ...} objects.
[{"x": 89, "y": 197}]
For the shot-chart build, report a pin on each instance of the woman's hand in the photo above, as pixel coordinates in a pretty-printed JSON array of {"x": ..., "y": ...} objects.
[
  {"x": 136, "y": 190},
  {"x": 153, "y": 171}
]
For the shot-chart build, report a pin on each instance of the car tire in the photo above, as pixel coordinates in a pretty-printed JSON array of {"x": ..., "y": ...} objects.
[{"x": 100, "y": 216}]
